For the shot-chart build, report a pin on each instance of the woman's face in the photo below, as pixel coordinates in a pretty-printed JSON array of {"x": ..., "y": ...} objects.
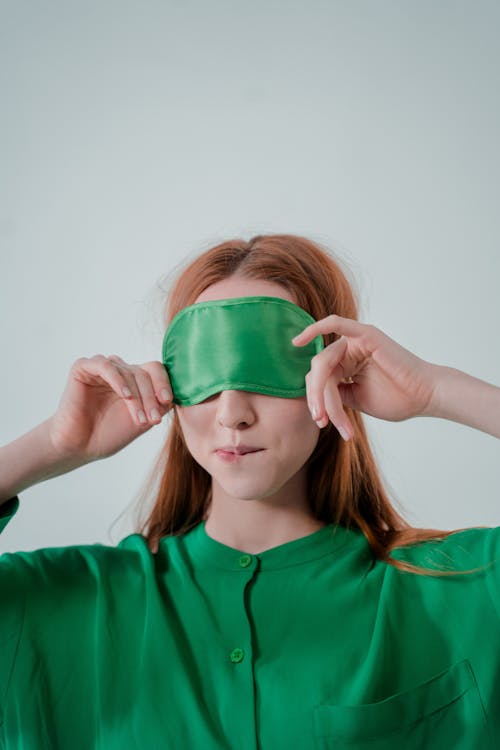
[{"x": 283, "y": 427}]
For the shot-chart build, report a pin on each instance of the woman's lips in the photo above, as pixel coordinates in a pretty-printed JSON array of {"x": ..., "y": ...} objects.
[{"x": 231, "y": 457}]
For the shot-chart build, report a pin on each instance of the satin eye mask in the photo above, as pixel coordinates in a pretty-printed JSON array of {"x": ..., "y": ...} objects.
[{"x": 242, "y": 343}]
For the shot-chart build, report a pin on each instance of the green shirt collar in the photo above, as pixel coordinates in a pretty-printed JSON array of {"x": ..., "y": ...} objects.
[{"x": 204, "y": 550}]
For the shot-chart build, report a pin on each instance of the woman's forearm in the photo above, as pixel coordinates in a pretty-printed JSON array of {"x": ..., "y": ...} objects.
[
  {"x": 30, "y": 459},
  {"x": 463, "y": 398}
]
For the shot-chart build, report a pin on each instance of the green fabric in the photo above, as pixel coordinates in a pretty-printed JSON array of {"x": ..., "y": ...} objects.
[
  {"x": 304, "y": 646},
  {"x": 242, "y": 343}
]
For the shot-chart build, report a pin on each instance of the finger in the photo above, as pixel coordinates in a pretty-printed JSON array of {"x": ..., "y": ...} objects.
[
  {"x": 121, "y": 379},
  {"x": 160, "y": 380},
  {"x": 330, "y": 324},
  {"x": 132, "y": 392},
  {"x": 159, "y": 376},
  {"x": 120, "y": 363},
  {"x": 326, "y": 370},
  {"x": 322, "y": 366},
  {"x": 152, "y": 408},
  {"x": 335, "y": 410},
  {"x": 100, "y": 366}
]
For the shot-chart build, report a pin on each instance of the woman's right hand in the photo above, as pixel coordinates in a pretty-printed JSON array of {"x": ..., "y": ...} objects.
[{"x": 95, "y": 419}]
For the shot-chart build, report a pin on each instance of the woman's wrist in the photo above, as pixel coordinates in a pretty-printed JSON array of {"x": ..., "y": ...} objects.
[{"x": 31, "y": 459}]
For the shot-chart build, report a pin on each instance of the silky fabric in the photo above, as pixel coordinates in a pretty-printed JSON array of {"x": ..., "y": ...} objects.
[
  {"x": 242, "y": 343},
  {"x": 308, "y": 645}
]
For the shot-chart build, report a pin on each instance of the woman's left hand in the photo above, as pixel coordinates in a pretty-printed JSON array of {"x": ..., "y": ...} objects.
[{"x": 388, "y": 381}]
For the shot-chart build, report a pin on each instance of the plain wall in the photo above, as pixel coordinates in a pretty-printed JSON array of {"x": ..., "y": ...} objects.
[{"x": 134, "y": 135}]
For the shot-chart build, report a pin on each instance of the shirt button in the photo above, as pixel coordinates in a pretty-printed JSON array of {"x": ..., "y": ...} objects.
[
  {"x": 245, "y": 560},
  {"x": 237, "y": 655}
]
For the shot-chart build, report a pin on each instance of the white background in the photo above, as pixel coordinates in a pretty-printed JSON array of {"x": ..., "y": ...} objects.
[{"x": 136, "y": 134}]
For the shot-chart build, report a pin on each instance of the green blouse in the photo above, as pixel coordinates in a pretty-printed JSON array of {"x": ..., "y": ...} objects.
[{"x": 311, "y": 644}]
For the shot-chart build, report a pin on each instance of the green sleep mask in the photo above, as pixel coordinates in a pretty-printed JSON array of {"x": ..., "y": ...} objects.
[{"x": 242, "y": 343}]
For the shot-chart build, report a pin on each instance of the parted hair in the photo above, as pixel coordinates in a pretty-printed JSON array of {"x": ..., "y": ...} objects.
[{"x": 345, "y": 484}]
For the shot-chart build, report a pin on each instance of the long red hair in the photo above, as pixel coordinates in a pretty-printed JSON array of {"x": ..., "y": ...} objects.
[{"x": 345, "y": 486}]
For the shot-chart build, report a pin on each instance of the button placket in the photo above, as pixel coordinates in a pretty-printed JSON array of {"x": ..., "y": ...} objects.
[
  {"x": 245, "y": 560},
  {"x": 239, "y": 715},
  {"x": 237, "y": 655}
]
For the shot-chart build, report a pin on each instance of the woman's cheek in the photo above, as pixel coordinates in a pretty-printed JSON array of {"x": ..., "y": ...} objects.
[{"x": 301, "y": 424}]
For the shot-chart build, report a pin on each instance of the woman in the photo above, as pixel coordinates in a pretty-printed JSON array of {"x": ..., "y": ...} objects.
[{"x": 272, "y": 600}]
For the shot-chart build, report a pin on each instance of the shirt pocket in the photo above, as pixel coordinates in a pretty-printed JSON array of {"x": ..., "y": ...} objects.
[{"x": 443, "y": 712}]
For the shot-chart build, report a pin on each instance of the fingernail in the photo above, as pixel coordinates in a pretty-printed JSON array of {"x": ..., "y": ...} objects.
[
  {"x": 155, "y": 414},
  {"x": 344, "y": 433},
  {"x": 142, "y": 416},
  {"x": 126, "y": 392},
  {"x": 165, "y": 394},
  {"x": 314, "y": 411}
]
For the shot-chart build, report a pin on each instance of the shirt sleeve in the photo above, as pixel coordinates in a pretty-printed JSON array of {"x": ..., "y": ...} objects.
[
  {"x": 12, "y": 605},
  {"x": 491, "y": 559},
  {"x": 476, "y": 549},
  {"x": 8, "y": 510}
]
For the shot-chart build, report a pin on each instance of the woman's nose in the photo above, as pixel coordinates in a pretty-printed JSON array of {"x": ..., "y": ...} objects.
[{"x": 234, "y": 408}]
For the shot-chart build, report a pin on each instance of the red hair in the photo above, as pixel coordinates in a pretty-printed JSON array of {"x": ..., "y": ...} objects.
[{"x": 345, "y": 486}]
